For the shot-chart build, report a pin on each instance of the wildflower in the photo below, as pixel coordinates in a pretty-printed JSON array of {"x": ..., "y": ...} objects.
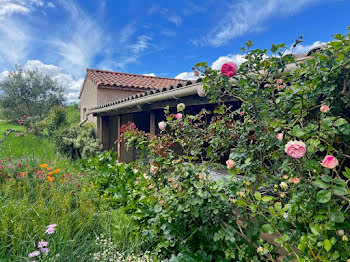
[
  {"x": 45, "y": 250},
  {"x": 24, "y": 173},
  {"x": 25, "y": 116},
  {"x": 150, "y": 186},
  {"x": 340, "y": 232},
  {"x": 20, "y": 122},
  {"x": 68, "y": 176},
  {"x": 19, "y": 165},
  {"x": 230, "y": 164},
  {"x": 51, "y": 229},
  {"x": 154, "y": 169},
  {"x": 279, "y": 137},
  {"x": 283, "y": 185},
  {"x": 260, "y": 249},
  {"x": 201, "y": 92},
  {"x": 62, "y": 179},
  {"x": 329, "y": 162},
  {"x": 50, "y": 179},
  {"x": 285, "y": 215},
  {"x": 34, "y": 254},
  {"x": 240, "y": 193},
  {"x": 162, "y": 125},
  {"x": 178, "y": 116},
  {"x": 279, "y": 81},
  {"x": 294, "y": 180},
  {"x": 135, "y": 170},
  {"x": 324, "y": 109},
  {"x": 180, "y": 107},
  {"x": 42, "y": 244},
  {"x": 57, "y": 171},
  {"x": 295, "y": 149},
  {"x": 142, "y": 197},
  {"x": 345, "y": 238},
  {"x": 229, "y": 69},
  {"x": 43, "y": 165},
  {"x": 283, "y": 195},
  {"x": 201, "y": 176}
]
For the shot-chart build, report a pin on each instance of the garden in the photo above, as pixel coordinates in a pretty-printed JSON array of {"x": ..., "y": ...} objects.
[{"x": 285, "y": 198}]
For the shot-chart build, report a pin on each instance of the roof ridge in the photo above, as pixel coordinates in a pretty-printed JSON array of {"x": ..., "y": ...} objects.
[{"x": 132, "y": 74}]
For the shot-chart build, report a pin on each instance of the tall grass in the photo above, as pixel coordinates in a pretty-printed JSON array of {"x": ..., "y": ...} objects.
[{"x": 4, "y": 126}]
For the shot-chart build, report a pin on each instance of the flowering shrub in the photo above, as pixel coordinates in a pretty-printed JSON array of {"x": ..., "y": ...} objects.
[{"x": 289, "y": 144}]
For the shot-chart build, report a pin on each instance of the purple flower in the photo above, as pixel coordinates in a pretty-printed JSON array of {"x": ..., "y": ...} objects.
[
  {"x": 42, "y": 244},
  {"x": 34, "y": 254},
  {"x": 45, "y": 250},
  {"x": 50, "y": 229}
]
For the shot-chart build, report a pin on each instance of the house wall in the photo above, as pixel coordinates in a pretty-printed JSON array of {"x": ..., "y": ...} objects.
[
  {"x": 106, "y": 95},
  {"x": 88, "y": 99}
]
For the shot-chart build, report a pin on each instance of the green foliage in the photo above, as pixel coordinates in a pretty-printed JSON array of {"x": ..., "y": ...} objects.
[
  {"x": 29, "y": 93},
  {"x": 55, "y": 120},
  {"x": 78, "y": 141}
]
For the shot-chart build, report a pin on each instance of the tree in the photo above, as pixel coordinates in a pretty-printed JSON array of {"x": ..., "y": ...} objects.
[{"x": 29, "y": 93}]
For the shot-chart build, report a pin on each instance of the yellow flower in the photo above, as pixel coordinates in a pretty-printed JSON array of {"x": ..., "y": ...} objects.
[
  {"x": 43, "y": 165},
  {"x": 25, "y": 173},
  {"x": 62, "y": 180}
]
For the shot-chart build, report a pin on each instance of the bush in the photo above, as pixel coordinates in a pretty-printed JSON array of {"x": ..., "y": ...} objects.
[{"x": 78, "y": 141}]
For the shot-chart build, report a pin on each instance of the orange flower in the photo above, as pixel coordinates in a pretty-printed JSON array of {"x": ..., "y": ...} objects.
[
  {"x": 50, "y": 173},
  {"x": 57, "y": 170},
  {"x": 43, "y": 165},
  {"x": 24, "y": 173},
  {"x": 49, "y": 168},
  {"x": 62, "y": 180},
  {"x": 49, "y": 178}
]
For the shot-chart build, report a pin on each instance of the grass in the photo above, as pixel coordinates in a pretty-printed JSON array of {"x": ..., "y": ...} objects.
[
  {"x": 29, "y": 202},
  {"x": 4, "y": 126}
]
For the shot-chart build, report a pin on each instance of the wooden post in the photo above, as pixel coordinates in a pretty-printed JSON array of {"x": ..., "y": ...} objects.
[
  {"x": 99, "y": 127},
  {"x": 152, "y": 123},
  {"x": 119, "y": 143}
]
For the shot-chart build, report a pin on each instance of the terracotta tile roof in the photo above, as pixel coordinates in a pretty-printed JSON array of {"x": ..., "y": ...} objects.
[{"x": 111, "y": 79}]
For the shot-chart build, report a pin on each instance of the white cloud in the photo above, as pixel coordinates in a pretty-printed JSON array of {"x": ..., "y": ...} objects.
[
  {"x": 71, "y": 85},
  {"x": 150, "y": 74},
  {"x": 246, "y": 16},
  {"x": 141, "y": 45},
  {"x": 8, "y": 8},
  {"x": 127, "y": 32},
  {"x": 237, "y": 58},
  {"x": 171, "y": 16},
  {"x": 186, "y": 76},
  {"x": 3, "y": 75},
  {"x": 301, "y": 49}
]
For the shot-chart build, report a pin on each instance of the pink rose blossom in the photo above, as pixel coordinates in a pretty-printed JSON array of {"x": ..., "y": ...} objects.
[
  {"x": 324, "y": 109},
  {"x": 294, "y": 180},
  {"x": 178, "y": 116},
  {"x": 196, "y": 73},
  {"x": 329, "y": 162},
  {"x": 242, "y": 113},
  {"x": 295, "y": 149},
  {"x": 229, "y": 69},
  {"x": 162, "y": 125},
  {"x": 279, "y": 87},
  {"x": 279, "y": 136},
  {"x": 154, "y": 169},
  {"x": 279, "y": 81},
  {"x": 201, "y": 176},
  {"x": 230, "y": 164},
  {"x": 25, "y": 116},
  {"x": 34, "y": 254},
  {"x": 201, "y": 92}
]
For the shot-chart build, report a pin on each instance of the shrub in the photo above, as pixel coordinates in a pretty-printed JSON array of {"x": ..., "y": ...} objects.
[{"x": 78, "y": 141}]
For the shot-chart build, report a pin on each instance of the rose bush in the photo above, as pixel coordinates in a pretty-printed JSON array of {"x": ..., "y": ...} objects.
[{"x": 286, "y": 148}]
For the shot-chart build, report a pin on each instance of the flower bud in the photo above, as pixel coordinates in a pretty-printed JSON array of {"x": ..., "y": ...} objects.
[
  {"x": 180, "y": 107},
  {"x": 340, "y": 232},
  {"x": 324, "y": 109},
  {"x": 230, "y": 164},
  {"x": 260, "y": 249},
  {"x": 162, "y": 125}
]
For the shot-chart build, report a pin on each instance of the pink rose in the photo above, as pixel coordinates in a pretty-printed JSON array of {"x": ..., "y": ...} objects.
[
  {"x": 196, "y": 73},
  {"x": 295, "y": 149},
  {"x": 329, "y": 162},
  {"x": 201, "y": 92},
  {"x": 201, "y": 176},
  {"x": 230, "y": 164},
  {"x": 25, "y": 116},
  {"x": 154, "y": 169},
  {"x": 279, "y": 136},
  {"x": 324, "y": 109},
  {"x": 267, "y": 85},
  {"x": 279, "y": 81},
  {"x": 178, "y": 116},
  {"x": 242, "y": 113},
  {"x": 162, "y": 125},
  {"x": 294, "y": 180},
  {"x": 229, "y": 69},
  {"x": 279, "y": 87}
]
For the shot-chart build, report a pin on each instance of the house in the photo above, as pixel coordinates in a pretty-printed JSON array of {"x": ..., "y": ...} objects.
[
  {"x": 141, "y": 100},
  {"x": 102, "y": 87}
]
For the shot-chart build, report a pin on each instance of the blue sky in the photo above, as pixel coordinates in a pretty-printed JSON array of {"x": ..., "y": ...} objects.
[{"x": 163, "y": 38}]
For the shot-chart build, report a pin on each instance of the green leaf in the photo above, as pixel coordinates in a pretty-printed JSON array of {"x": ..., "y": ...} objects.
[
  {"x": 339, "y": 181},
  {"x": 267, "y": 228},
  {"x": 267, "y": 198},
  {"x": 326, "y": 178},
  {"x": 324, "y": 196},
  {"x": 340, "y": 122},
  {"x": 340, "y": 190},
  {"x": 327, "y": 245},
  {"x": 319, "y": 183},
  {"x": 337, "y": 217},
  {"x": 241, "y": 203},
  {"x": 257, "y": 196}
]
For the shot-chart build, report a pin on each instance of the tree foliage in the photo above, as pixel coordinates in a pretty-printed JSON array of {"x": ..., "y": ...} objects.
[{"x": 29, "y": 93}]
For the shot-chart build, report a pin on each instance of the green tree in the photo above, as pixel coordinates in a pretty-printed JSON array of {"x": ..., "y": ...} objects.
[{"x": 29, "y": 93}]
